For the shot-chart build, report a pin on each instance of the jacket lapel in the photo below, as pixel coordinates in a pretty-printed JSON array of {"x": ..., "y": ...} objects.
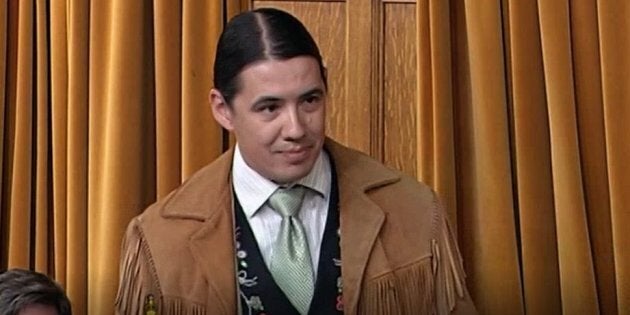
[
  {"x": 360, "y": 218},
  {"x": 212, "y": 248},
  {"x": 361, "y": 221},
  {"x": 207, "y": 198}
]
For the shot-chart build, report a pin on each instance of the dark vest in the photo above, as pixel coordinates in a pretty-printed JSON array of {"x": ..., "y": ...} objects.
[{"x": 258, "y": 292}]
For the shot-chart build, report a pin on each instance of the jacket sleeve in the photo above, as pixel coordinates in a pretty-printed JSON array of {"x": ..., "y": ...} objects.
[
  {"x": 138, "y": 281},
  {"x": 451, "y": 294}
]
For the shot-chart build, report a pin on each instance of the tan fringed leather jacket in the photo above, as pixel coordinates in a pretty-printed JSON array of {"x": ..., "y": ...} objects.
[{"x": 398, "y": 253}]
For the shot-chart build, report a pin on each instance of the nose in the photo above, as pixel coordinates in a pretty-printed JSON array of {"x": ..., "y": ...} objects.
[{"x": 294, "y": 126}]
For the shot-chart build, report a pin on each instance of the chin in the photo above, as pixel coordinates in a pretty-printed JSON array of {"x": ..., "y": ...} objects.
[
  {"x": 293, "y": 174},
  {"x": 288, "y": 178}
]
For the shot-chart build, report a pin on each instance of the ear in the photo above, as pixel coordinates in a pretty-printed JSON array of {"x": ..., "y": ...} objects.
[{"x": 221, "y": 111}]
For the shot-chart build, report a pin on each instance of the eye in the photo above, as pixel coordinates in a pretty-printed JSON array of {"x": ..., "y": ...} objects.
[
  {"x": 267, "y": 108},
  {"x": 312, "y": 102},
  {"x": 312, "y": 99}
]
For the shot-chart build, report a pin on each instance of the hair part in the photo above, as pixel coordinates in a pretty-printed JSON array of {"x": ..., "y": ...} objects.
[
  {"x": 254, "y": 36},
  {"x": 22, "y": 288}
]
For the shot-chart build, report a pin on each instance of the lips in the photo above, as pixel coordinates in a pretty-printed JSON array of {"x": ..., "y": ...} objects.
[
  {"x": 298, "y": 150},
  {"x": 296, "y": 155}
]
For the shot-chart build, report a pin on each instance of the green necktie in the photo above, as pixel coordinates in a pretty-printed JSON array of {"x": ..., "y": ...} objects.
[{"x": 291, "y": 262}]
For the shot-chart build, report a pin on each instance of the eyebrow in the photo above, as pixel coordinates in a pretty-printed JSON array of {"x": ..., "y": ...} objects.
[
  {"x": 264, "y": 99},
  {"x": 312, "y": 91}
]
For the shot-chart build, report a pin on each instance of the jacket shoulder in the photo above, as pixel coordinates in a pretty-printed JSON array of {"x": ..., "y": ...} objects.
[{"x": 163, "y": 231}]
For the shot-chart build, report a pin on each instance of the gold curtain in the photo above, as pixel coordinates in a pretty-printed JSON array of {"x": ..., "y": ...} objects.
[
  {"x": 521, "y": 128},
  {"x": 103, "y": 109},
  {"x": 523, "y": 107}
]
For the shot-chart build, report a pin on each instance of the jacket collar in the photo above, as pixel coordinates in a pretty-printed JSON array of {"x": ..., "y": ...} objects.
[
  {"x": 196, "y": 197},
  {"x": 359, "y": 170},
  {"x": 360, "y": 218},
  {"x": 207, "y": 197}
]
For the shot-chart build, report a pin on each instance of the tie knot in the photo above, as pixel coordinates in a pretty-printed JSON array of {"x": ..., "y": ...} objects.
[{"x": 287, "y": 201}]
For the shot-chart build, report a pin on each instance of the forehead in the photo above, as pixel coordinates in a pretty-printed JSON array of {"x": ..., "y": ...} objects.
[
  {"x": 281, "y": 78},
  {"x": 38, "y": 309}
]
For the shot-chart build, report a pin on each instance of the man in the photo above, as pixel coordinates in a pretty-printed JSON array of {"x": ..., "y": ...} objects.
[
  {"x": 288, "y": 222},
  {"x": 25, "y": 292}
]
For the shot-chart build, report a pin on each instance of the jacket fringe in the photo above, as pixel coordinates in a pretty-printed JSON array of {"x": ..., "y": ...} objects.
[
  {"x": 448, "y": 267},
  {"x": 406, "y": 291},
  {"x": 139, "y": 281},
  {"x": 175, "y": 306},
  {"x": 430, "y": 286}
]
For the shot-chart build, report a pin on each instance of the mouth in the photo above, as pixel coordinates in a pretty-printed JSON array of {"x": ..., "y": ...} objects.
[{"x": 296, "y": 155}]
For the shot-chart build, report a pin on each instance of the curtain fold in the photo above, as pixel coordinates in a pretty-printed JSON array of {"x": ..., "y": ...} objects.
[
  {"x": 592, "y": 134},
  {"x": 78, "y": 13},
  {"x": 41, "y": 141},
  {"x": 615, "y": 70},
  {"x": 532, "y": 162},
  {"x": 4, "y": 40},
  {"x": 521, "y": 127},
  {"x": 103, "y": 111},
  {"x": 121, "y": 151},
  {"x": 539, "y": 105},
  {"x": 486, "y": 171},
  {"x": 434, "y": 121},
  {"x": 574, "y": 250},
  {"x": 201, "y": 136},
  {"x": 168, "y": 23},
  {"x": 20, "y": 157}
]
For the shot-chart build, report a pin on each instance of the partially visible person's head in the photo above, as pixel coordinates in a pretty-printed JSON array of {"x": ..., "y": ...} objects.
[
  {"x": 270, "y": 90},
  {"x": 24, "y": 292}
]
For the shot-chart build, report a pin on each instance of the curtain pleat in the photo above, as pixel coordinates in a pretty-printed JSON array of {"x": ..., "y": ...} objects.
[
  {"x": 74, "y": 77},
  {"x": 69, "y": 129},
  {"x": 614, "y": 28},
  {"x": 485, "y": 172},
  {"x": 531, "y": 160},
  {"x": 21, "y": 170},
  {"x": 435, "y": 114},
  {"x": 540, "y": 105},
  {"x": 592, "y": 136},
  {"x": 521, "y": 128},
  {"x": 121, "y": 155},
  {"x": 103, "y": 111},
  {"x": 41, "y": 132},
  {"x": 574, "y": 250},
  {"x": 201, "y": 137},
  {"x": 168, "y": 71},
  {"x": 4, "y": 21},
  {"x": 59, "y": 134}
]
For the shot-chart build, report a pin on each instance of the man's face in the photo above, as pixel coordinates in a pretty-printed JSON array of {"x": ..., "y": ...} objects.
[{"x": 277, "y": 117}]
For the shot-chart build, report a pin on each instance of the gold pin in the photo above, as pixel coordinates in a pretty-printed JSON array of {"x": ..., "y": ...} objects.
[{"x": 149, "y": 305}]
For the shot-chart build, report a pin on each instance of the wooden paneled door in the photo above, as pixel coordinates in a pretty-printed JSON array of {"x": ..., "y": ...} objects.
[{"x": 369, "y": 48}]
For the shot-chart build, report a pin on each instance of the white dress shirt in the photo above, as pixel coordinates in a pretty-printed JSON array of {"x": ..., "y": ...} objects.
[{"x": 253, "y": 190}]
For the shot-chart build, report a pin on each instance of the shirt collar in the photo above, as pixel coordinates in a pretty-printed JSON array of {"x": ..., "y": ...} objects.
[{"x": 253, "y": 190}]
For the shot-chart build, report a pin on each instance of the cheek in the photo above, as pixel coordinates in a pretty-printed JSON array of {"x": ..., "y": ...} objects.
[
  {"x": 317, "y": 122},
  {"x": 262, "y": 135},
  {"x": 251, "y": 130}
]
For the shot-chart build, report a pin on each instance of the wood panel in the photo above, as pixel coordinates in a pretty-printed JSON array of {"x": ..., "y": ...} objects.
[
  {"x": 369, "y": 49},
  {"x": 362, "y": 75},
  {"x": 326, "y": 22},
  {"x": 399, "y": 95}
]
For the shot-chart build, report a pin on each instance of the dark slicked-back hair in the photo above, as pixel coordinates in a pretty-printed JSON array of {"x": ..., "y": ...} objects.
[
  {"x": 262, "y": 34},
  {"x": 21, "y": 288}
]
